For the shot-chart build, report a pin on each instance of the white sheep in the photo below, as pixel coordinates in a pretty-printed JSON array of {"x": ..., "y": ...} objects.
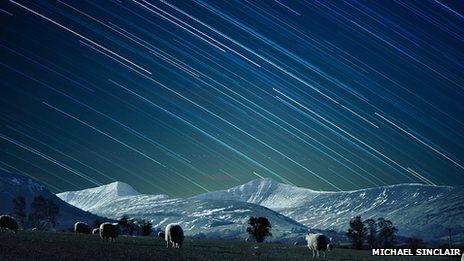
[
  {"x": 161, "y": 235},
  {"x": 330, "y": 247},
  {"x": 81, "y": 227},
  {"x": 8, "y": 222},
  {"x": 109, "y": 230},
  {"x": 174, "y": 235},
  {"x": 96, "y": 231},
  {"x": 256, "y": 251},
  {"x": 316, "y": 243}
]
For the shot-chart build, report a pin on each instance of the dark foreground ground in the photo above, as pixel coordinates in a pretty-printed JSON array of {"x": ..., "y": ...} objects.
[{"x": 39, "y": 245}]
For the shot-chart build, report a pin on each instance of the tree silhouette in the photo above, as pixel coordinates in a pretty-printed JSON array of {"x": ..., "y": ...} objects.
[
  {"x": 356, "y": 232},
  {"x": 387, "y": 232},
  {"x": 145, "y": 227},
  {"x": 380, "y": 233},
  {"x": 44, "y": 212},
  {"x": 19, "y": 211},
  {"x": 128, "y": 224},
  {"x": 135, "y": 226},
  {"x": 259, "y": 229},
  {"x": 415, "y": 242},
  {"x": 371, "y": 227}
]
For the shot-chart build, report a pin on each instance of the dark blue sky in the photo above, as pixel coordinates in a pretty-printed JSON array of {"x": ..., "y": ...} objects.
[{"x": 186, "y": 97}]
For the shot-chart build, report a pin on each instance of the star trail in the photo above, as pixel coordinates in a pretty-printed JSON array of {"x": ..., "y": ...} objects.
[{"x": 187, "y": 97}]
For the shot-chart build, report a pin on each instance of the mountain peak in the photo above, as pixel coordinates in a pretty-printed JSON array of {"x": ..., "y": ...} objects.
[
  {"x": 93, "y": 197},
  {"x": 120, "y": 189},
  {"x": 265, "y": 192}
]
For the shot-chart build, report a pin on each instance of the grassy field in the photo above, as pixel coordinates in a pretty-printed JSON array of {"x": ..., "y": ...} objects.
[{"x": 39, "y": 245}]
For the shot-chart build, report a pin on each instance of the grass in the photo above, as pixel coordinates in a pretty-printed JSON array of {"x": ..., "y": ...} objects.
[{"x": 43, "y": 245}]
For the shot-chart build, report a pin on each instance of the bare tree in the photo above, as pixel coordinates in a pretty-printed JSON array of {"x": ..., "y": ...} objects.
[
  {"x": 19, "y": 211},
  {"x": 44, "y": 212}
]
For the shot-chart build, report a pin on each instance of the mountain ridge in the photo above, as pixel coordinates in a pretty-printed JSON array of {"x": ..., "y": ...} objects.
[
  {"x": 236, "y": 193},
  {"x": 197, "y": 216},
  {"x": 414, "y": 208}
]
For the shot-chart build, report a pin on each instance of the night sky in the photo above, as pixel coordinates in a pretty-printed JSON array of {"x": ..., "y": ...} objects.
[{"x": 187, "y": 97}]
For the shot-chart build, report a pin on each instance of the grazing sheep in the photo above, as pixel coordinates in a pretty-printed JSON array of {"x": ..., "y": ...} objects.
[
  {"x": 96, "y": 231},
  {"x": 256, "y": 250},
  {"x": 108, "y": 230},
  {"x": 174, "y": 235},
  {"x": 8, "y": 222},
  {"x": 81, "y": 227},
  {"x": 161, "y": 235},
  {"x": 316, "y": 243},
  {"x": 330, "y": 247}
]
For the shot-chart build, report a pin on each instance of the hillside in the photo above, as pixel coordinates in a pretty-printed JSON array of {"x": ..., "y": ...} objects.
[
  {"x": 12, "y": 186},
  {"x": 416, "y": 209}
]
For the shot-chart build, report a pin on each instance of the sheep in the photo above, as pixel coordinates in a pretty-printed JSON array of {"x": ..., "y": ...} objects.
[
  {"x": 109, "y": 230},
  {"x": 96, "y": 231},
  {"x": 161, "y": 235},
  {"x": 81, "y": 227},
  {"x": 316, "y": 243},
  {"x": 8, "y": 222},
  {"x": 174, "y": 235},
  {"x": 330, "y": 247},
  {"x": 256, "y": 250}
]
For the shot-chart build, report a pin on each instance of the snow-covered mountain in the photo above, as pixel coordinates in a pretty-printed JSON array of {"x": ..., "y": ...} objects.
[
  {"x": 12, "y": 186},
  {"x": 92, "y": 198},
  {"x": 268, "y": 193},
  {"x": 416, "y": 210},
  {"x": 211, "y": 218},
  {"x": 420, "y": 210}
]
